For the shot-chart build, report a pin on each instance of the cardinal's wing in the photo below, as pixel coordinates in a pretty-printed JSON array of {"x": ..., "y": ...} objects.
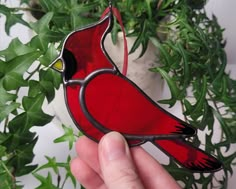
[{"x": 113, "y": 102}]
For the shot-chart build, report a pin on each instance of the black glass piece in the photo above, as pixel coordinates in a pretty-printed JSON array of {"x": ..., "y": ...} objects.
[{"x": 71, "y": 64}]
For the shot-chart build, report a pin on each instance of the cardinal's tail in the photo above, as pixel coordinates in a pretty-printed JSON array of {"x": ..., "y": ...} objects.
[{"x": 188, "y": 156}]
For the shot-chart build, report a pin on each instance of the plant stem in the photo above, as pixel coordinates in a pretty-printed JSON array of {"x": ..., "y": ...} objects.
[
  {"x": 213, "y": 101},
  {"x": 159, "y": 4},
  {"x": 64, "y": 182},
  {"x": 5, "y": 124},
  {"x": 182, "y": 107},
  {"x": 58, "y": 180},
  {"x": 76, "y": 135},
  {"x": 218, "y": 181},
  {"x": 28, "y": 9},
  {"x": 216, "y": 108},
  {"x": 33, "y": 72},
  {"x": 7, "y": 170}
]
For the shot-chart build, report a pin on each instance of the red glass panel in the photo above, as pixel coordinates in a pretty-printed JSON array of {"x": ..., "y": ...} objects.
[
  {"x": 100, "y": 99},
  {"x": 85, "y": 45},
  {"x": 126, "y": 109},
  {"x": 188, "y": 156}
]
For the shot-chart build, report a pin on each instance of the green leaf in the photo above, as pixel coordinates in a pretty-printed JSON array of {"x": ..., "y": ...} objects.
[
  {"x": 67, "y": 137},
  {"x": 224, "y": 183},
  {"x": 20, "y": 123},
  {"x": 178, "y": 173},
  {"x": 186, "y": 73},
  {"x": 40, "y": 42},
  {"x": 13, "y": 81},
  {"x": 52, "y": 76},
  {"x": 172, "y": 86},
  {"x": 20, "y": 137},
  {"x": 78, "y": 11},
  {"x": 227, "y": 161},
  {"x": 52, "y": 163},
  {"x": 5, "y": 96},
  {"x": 2, "y": 151},
  {"x": 33, "y": 115},
  {"x": 24, "y": 2},
  {"x": 42, "y": 25},
  {"x": 221, "y": 70},
  {"x": 41, "y": 87},
  {"x": 196, "y": 110},
  {"x": 20, "y": 64},
  {"x": 34, "y": 88},
  {"x": 7, "y": 109},
  {"x": 231, "y": 123},
  {"x": 48, "y": 89},
  {"x": 6, "y": 177},
  {"x": 33, "y": 109},
  {"x": 45, "y": 182},
  {"x": 27, "y": 169},
  {"x": 4, "y": 137},
  {"x": 225, "y": 96},
  {"x": 45, "y": 35},
  {"x": 114, "y": 31},
  {"x": 163, "y": 52},
  {"x": 52, "y": 5},
  {"x": 13, "y": 71},
  {"x": 11, "y": 18},
  {"x": 207, "y": 118},
  {"x": 210, "y": 148},
  {"x": 223, "y": 124},
  {"x": 49, "y": 56},
  {"x": 205, "y": 181},
  {"x": 142, "y": 39},
  {"x": 16, "y": 48},
  {"x": 69, "y": 173},
  {"x": 23, "y": 156}
]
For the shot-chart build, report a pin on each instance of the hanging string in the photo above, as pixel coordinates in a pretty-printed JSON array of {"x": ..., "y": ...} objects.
[{"x": 117, "y": 14}]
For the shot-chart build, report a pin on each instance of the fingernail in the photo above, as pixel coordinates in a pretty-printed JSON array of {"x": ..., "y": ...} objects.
[{"x": 113, "y": 146}]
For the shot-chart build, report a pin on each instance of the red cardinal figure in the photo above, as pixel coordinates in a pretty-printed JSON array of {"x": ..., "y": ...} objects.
[{"x": 101, "y": 99}]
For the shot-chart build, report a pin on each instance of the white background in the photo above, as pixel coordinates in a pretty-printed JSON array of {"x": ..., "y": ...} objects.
[{"x": 223, "y": 9}]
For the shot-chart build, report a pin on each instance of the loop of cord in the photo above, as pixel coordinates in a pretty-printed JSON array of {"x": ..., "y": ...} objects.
[{"x": 116, "y": 13}]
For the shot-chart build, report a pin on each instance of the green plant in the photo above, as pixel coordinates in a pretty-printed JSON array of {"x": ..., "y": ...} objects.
[
  {"x": 192, "y": 61},
  {"x": 193, "y": 64}
]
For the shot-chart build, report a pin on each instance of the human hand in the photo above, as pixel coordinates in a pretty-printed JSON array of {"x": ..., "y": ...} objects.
[{"x": 111, "y": 164}]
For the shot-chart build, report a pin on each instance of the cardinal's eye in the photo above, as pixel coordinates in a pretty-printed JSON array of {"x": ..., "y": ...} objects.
[{"x": 70, "y": 64}]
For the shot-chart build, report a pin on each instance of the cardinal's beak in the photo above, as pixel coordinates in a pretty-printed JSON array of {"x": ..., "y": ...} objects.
[{"x": 58, "y": 65}]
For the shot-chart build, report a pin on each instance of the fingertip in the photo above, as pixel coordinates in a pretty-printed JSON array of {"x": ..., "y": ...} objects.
[
  {"x": 117, "y": 166},
  {"x": 113, "y": 146},
  {"x": 84, "y": 144},
  {"x": 80, "y": 142},
  {"x": 83, "y": 173},
  {"x": 75, "y": 165}
]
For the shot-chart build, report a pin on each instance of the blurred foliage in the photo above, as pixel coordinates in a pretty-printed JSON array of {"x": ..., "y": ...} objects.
[{"x": 192, "y": 62}]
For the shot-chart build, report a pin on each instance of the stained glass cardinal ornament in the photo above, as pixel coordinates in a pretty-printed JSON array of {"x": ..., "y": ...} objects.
[{"x": 101, "y": 99}]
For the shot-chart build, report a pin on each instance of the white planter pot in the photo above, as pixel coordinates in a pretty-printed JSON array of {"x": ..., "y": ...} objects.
[{"x": 138, "y": 68}]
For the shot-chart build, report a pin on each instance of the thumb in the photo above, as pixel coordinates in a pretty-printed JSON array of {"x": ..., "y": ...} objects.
[{"x": 117, "y": 166}]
